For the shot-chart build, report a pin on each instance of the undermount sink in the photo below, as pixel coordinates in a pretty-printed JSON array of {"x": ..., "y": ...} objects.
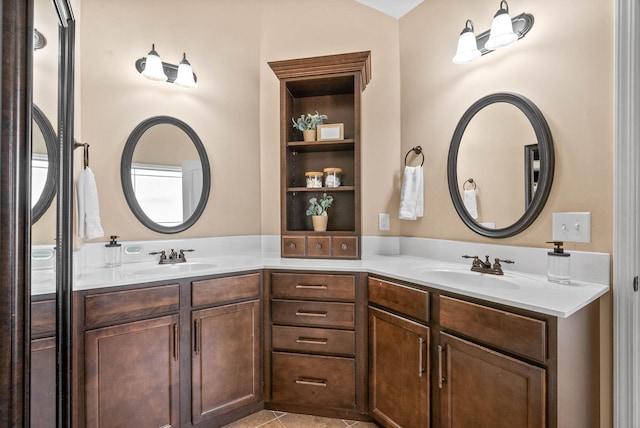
[
  {"x": 481, "y": 280},
  {"x": 170, "y": 269}
]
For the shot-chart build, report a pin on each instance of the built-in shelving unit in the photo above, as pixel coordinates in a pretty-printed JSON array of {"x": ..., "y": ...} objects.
[{"x": 331, "y": 85}]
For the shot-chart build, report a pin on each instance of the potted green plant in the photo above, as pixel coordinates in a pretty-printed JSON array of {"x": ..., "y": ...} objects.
[
  {"x": 318, "y": 211},
  {"x": 308, "y": 123}
]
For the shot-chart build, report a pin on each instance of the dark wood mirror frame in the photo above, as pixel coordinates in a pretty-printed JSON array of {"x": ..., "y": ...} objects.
[
  {"x": 51, "y": 142},
  {"x": 125, "y": 173},
  {"x": 547, "y": 162}
]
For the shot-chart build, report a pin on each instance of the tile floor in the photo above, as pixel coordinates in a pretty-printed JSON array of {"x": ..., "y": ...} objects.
[{"x": 271, "y": 419}]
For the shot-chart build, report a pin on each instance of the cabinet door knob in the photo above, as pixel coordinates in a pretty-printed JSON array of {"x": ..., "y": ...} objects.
[
  {"x": 344, "y": 247},
  {"x": 292, "y": 245},
  {"x": 318, "y": 246}
]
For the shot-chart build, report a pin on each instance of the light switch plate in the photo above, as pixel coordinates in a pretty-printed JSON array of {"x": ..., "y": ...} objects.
[
  {"x": 383, "y": 221},
  {"x": 571, "y": 227}
]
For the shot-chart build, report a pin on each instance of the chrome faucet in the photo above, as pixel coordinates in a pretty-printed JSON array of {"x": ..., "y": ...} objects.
[
  {"x": 485, "y": 266},
  {"x": 174, "y": 256}
]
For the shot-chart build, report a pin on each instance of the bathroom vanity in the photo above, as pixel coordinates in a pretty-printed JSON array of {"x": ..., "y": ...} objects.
[{"x": 358, "y": 340}]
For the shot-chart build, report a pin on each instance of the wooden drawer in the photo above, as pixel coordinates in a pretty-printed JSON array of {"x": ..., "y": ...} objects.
[
  {"x": 313, "y": 380},
  {"x": 522, "y": 335},
  {"x": 399, "y": 298},
  {"x": 314, "y": 340},
  {"x": 344, "y": 246},
  {"x": 311, "y": 286},
  {"x": 318, "y": 246},
  {"x": 293, "y": 246},
  {"x": 321, "y": 314},
  {"x": 119, "y": 306},
  {"x": 43, "y": 318},
  {"x": 222, "y": 290}
]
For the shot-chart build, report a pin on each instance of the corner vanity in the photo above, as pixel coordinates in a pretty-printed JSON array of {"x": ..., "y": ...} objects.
[{"x": 399, "y": 340}]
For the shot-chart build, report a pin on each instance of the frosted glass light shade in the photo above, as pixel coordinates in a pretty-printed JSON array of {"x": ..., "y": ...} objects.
[
  {"x": 467, "y": 49},
  {"x": 185, "y": 74},
  {"x": 153, "y": 67},
  {"x": 501, "y": 30}
]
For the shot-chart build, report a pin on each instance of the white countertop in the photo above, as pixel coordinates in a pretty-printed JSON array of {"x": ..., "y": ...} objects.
[{"x": 522, "y": 290}]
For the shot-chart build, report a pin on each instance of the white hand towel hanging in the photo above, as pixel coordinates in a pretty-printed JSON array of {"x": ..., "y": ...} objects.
[
  {"x": 470, "y": 203},
  {"x": 88, "y": 207},
  {"x": 412, "y": 193}
]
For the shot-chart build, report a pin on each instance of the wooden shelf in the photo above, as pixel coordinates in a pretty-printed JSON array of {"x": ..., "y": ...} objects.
[
  {"x": 331, "y": 85},
  {"x": 321, "y": 146},
  {"x": 322, "y": 189}
]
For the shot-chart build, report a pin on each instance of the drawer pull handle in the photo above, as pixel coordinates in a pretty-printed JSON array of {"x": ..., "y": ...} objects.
[
  {"x": 318, "y": 246},
  {"x": 312, "y": 382},
  {"x": 421, "y": 369},
  {"x": 311, "y": 287},
  {"x": 312, "y": 341},
  {"x": 344, "y": 247},
  {"x": 441, "y": 378},
  {"x": 292, "y": 246},
  {"x": 176, "y": 340},
  {"x": 321, "y": 314}
]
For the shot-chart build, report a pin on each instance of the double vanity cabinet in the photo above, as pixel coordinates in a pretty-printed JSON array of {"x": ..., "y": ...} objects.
[{"x": 208, "y": 350}]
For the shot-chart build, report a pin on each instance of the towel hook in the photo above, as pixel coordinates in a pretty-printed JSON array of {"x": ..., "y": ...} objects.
[
  {"x": 470, "y": 181},
  {"x": 86, "y": 152},
  {"x": 418, "y": 151}
]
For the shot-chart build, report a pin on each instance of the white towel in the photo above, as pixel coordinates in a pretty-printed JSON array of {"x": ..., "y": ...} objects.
[
  {"x": 88, "y": 208},
  {"x": 412, "y": 194},
  {"x": 470, "y": 203}
]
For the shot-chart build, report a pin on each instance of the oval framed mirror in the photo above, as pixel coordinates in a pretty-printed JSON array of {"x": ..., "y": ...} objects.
[
  {"x": 165, "y": 174},
  {"x": 500, "y": 165},
  {"x": 44, "y": 164}
]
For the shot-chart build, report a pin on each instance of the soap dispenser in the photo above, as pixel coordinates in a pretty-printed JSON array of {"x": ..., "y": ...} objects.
[
  {"x": 112, "y": 253},
  {"x": 558, "y": 264}
]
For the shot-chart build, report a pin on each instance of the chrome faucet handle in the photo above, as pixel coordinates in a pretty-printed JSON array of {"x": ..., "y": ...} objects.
[
  {"x": 187, "y": 251},
  {"x": 510, "y": 262}
]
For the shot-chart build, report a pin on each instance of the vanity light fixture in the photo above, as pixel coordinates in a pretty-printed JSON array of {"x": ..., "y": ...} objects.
[
  {"x": 504, "y": 31},
  {"x": 501, "y": 34},
  {"x": 153, "y": 68},
  {"x": 467, "y": 45},
  {"x": 185, "y": 74}
]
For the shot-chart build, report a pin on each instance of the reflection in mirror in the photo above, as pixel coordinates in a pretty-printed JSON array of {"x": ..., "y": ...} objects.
[
  {"x": 504, "y": 145},
  {"x": 495, "y": 161},
  {"x": 43, "y": 164},
  {"x": 165, "y": 174}
]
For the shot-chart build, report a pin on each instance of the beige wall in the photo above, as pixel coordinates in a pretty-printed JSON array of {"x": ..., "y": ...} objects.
[{"x": 565, "y": 66}]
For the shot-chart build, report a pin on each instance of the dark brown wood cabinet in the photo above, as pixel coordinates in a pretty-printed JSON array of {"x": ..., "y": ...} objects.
[
  {"x": 398, "y": 370},
  {"x": 487, "y": 389},
  {"x": 330, "y": 85},
  {"x": 399, "y": 354},
  {"x": 43, "y": 362},
  {"x": 226, "y": 345},
  {"x": 132, "y": 374},
  {"x": 316, "y": 361},
  {"x": 225, "y": 369},
  {"x": 492, "y": 365}
]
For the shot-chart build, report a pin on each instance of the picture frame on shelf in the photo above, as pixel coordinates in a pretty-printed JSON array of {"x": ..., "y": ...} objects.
[{"x": 330, "y": 131}]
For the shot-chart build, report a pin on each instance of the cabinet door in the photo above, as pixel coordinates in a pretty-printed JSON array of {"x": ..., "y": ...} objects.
[
  {"x": 485, "y": 389},
  {"x": 43, "y": 382},
  {"x": 131, "y": 374},
  {"x": 225, "y": 359},
  {"x": 398, "y": 371}
]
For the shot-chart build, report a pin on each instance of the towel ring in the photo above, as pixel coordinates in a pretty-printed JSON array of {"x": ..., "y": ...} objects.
[
  {"x": 470, "y": 181},
  {"x": 86, "y": 152},
  {"x": 418, "y": 151}
]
